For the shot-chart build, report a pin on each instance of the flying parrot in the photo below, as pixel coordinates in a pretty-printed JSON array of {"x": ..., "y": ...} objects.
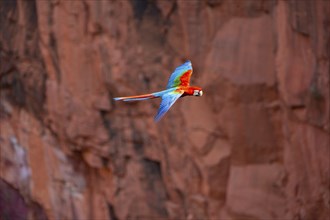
[{"x": 178, "y": 86}]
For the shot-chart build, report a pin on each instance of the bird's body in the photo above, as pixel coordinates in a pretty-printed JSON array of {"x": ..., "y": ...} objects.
[{"x": 178, "y": 86}]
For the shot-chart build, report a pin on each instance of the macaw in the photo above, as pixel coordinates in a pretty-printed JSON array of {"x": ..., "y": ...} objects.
[{"x": 178, "y": 86}]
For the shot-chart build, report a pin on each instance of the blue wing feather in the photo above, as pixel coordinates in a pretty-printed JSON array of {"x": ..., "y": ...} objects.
[
  {"x": 178, "y": 72},
  {"x": 167, "y": 101}
]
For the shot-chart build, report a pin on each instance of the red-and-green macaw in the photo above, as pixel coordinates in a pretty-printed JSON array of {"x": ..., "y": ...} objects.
[{"x": 177, "y": 86}]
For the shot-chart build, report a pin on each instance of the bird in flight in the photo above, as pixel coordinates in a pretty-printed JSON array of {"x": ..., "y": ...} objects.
[{"x": 178, "y": 86}]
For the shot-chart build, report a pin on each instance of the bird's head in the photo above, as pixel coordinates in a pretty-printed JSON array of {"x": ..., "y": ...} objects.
[{"x": 198, "y": 91}]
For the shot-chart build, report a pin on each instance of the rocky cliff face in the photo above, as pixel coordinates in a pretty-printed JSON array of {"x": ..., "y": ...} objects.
[{"x": 255, "y": 146}]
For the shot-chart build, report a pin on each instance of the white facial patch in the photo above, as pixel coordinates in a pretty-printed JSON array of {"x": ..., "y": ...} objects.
[{"x": 198, "y": 92}]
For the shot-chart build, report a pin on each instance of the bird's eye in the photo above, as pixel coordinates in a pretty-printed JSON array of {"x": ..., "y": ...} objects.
[{"x": 198, "y": 93}]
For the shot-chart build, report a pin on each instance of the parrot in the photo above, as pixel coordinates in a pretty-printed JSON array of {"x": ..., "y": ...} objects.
[{"x": 178, "y": 86}]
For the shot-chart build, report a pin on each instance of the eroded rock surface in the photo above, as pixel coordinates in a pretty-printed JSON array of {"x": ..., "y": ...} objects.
[{"x": 255, "y": 146}]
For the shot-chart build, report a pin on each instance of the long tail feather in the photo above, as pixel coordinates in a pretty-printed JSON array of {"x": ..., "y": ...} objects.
[
  {"x": 136, "y": 97},
  {"x": 144, "y": 97}
]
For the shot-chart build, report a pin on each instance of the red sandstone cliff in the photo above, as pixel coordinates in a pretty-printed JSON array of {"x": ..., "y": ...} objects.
[{"x": 255, "y": 146}]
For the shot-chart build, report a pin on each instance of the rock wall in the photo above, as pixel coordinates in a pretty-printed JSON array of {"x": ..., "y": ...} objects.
[{"x": 255, "y": 146}]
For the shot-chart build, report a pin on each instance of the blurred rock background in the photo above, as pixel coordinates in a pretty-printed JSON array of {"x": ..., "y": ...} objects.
[{"x": 255, "y": 146}]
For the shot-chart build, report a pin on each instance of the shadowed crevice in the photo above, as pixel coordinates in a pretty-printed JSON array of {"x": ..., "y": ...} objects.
[
  {"x": 22, "y": 75},
  {"x": 154, "y": 186},
  {"x": 142, "y": 8},
  {"x": 112, "y": 213},
  {"x": 13, "y": 206}
]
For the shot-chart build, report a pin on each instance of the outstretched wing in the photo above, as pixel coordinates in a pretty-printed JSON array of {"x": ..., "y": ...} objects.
[
  {"x": 180, "y": 76},
  {"x": 167, "y": 101}
]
